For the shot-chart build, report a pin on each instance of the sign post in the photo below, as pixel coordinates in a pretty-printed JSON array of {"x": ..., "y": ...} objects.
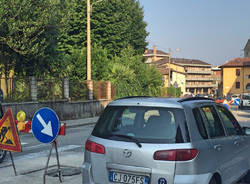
[
  {"x": 45, "y": 128},
  {"x": 9, "y": 139}
]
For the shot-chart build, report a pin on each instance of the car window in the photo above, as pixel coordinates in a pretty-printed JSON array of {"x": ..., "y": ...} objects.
[
  {"x": 146, "y": 124},
  {"x": 212, "y": 122},
  {"x": 200, "y": 123},
  {"x": 230, "y": 123}
]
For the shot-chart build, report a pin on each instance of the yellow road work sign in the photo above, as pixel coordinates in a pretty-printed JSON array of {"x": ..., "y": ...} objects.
[{"x": 9, "y": 139}]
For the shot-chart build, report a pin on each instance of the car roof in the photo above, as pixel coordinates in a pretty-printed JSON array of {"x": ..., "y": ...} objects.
[{"x": 158, "y": 102}]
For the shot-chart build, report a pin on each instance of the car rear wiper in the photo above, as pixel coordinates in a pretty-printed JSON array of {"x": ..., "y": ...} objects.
[{"x": 128, "y": 137}]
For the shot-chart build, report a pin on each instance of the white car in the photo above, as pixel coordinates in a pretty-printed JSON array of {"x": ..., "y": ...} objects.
[{"x": 245, "y": 100}]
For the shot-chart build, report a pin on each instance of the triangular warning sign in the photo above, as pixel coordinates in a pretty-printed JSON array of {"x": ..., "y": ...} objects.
[{"x": 9, "y": 139}]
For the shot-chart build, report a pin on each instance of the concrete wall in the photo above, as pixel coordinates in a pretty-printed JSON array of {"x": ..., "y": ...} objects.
[{"x": 65, "y": 110}]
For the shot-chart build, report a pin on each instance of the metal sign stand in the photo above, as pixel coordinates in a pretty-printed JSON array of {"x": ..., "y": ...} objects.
[
  {"x": 11, "y": 157},
  {"x": 54, "y": 143}
]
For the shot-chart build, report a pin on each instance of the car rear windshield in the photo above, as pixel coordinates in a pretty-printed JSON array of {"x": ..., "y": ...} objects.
[{"x": 145, "y": 124}]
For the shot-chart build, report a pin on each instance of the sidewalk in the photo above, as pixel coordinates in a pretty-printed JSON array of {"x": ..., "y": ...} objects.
[
  {"x": 80, "y": 122},
  {"x": 70, "y": 162}
]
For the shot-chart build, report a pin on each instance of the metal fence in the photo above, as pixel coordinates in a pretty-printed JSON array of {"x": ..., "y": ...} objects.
[{"x": 20, "y": 89}]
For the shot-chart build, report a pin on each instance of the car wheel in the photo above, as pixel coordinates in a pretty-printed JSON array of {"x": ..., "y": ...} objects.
[
  {"x": 213, "y": 181},
  {"x": 2, "y": 155}
]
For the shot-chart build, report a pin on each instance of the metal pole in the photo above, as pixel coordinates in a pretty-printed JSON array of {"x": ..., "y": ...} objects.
[
  {"x": 169, "y": 70},
  {"x": 47, "y": 164},
  {"x": 88, "y": 42},
  {"x": 89, "y": 81},
  {"x": 11, "y": 157},
  {"x": 58, "y": 163}
]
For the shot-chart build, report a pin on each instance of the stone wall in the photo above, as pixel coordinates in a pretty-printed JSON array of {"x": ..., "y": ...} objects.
[{"x": 65, "y": 109}]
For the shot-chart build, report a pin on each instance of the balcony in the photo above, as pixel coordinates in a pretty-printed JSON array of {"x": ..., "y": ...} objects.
[
  {"x": 198, "y": 72},
  {"x": 201, "y": 85},
  {"x": 200, "y": 79}
]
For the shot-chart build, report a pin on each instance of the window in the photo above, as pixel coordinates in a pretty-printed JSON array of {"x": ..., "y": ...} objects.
[
  {"x": 248, "y": 87},
  {"x": 213, "y": 123},
  {"x": 237, "y": 72},
  {"x": 237, "y": 85},
  {"x": 146, "y": 124},
  {"x": 230, "y": 123},
  {"x": 200, "y": 123}
]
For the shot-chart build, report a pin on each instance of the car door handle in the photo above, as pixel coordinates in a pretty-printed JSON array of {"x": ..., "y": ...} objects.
[{"x": 218, "y": 147}]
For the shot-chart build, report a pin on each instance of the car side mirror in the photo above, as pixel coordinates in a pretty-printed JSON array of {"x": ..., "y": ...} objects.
[{"x": 246, "y": 130}]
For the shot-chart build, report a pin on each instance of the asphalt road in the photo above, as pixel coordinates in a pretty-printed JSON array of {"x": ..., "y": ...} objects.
[{"x": 31, "y": 148}]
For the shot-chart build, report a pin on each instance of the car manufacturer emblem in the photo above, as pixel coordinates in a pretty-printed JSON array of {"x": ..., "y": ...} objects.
[{"x": 127, "y": 153}]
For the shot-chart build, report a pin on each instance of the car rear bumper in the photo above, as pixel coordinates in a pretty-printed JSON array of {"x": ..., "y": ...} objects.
[
  {"x": 87, "y": 177},
  {"x": 193, "y": 179}
]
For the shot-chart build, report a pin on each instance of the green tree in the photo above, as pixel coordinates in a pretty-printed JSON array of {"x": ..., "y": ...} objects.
[
  {"x": 28, "y": 30},
  {"x": 115, "y": 25},
  {"x": 133, "y": 77},
  {"x": 75, "y": 64}
]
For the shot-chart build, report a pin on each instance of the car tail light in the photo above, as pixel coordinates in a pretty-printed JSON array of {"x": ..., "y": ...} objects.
[
  {"x": 176, "y": 155},
  {"x": 94, "y": 147}
]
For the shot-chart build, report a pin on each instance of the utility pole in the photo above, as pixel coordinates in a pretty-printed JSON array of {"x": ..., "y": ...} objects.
[
  {"x": 89, "y": 81},
  {"x": 169, "y": 69}
]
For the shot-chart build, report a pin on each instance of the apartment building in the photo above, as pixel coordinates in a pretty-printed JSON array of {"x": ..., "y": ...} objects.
[
  {"x": 177, "y": 74},
  {"x": 191, "y": 75},
  {"x": 172, "y": 74},
  {"x": 154, "y": 55},
  {"x": 199, "y": 78},
  {"x": 236, "y": 76}
]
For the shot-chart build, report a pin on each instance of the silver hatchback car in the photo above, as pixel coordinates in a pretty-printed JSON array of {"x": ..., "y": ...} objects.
[{"x": 144, "y": 140}]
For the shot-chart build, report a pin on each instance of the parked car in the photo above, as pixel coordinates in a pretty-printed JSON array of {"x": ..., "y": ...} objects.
[
  {"x": 245, "y": 100},
  {"x": 143, "y": 140},
  {"x": 2, "y": 152}
]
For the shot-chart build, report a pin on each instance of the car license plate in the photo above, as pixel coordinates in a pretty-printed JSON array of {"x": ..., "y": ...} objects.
[{"x": 127, "y": 178}]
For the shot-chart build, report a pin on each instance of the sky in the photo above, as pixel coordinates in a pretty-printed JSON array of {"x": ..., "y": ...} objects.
[{"x": 214, "y": 31}]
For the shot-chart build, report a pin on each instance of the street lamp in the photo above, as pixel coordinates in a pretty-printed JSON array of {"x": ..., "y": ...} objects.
[
  {"x": 89, "y": 81},
  {"x": 169, "y": 69}
]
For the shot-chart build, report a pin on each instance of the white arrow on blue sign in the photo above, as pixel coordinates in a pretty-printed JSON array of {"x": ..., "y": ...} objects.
[
  {"x": 45, "y": 125},
  {"x": 237, "y": 101}
]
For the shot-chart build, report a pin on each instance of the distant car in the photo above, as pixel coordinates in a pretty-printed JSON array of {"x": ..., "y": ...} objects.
[
  {"x": 143, "y": 140},
  {"x": 245, "y": 100},
  {"x": 2, "y": 152}
]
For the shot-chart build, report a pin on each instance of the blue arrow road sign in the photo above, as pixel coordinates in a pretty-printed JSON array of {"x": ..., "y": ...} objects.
[
  {"x": 237, "y": 101},
  {"x": 45, "y": 125}
]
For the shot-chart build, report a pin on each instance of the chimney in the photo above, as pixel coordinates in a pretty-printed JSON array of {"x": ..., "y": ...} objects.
[{"x": 154, "y": 53}]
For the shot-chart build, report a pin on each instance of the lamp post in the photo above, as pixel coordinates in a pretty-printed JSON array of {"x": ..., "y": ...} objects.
[
  {"x": 89, "y": 80},
  {"x": 169, "y": 69}
]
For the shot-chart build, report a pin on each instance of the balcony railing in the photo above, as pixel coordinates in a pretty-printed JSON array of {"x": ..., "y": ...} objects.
[
  {"x": 200, "y": 79},
  {"x": 199, "y": 71},
  {"x": 201, "y": 85}
]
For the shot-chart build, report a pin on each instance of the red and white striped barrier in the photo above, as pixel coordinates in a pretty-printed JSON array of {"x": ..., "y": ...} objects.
[{"x": 27, "y": 129}]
